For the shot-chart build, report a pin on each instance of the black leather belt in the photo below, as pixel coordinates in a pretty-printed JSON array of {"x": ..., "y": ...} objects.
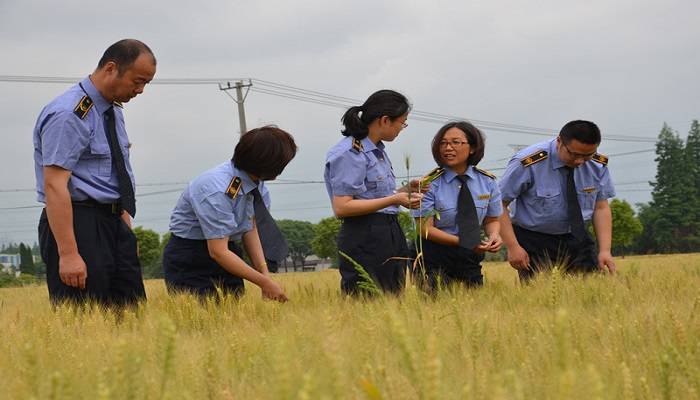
[{"x": 112, "y": 208}]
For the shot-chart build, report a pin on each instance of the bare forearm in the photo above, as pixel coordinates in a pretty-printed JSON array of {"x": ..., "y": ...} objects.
[
  {"x": 234, "y": 265},
  {"x": 126, "y": 218},
  {"x": 355, "y": 207},
  {"x": 602, "y": 223},
  {"x": 253, "y": 247},
  {"x": 439, "y": 236},
  {"x": 492, "y": 226},
  {"x": 507, "y": 232},
  {"x": 59, "y": 212},
  {"x": 429, "y": 232}
]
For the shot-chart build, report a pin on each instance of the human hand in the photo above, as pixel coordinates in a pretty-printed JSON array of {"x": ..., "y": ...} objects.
[
  {"x": 72, "y": 270},
  {"x": 492, "y": 244},
  {"x": 408, "y": 200},
  {"x": 415, "y": 186},
  {"x": 606, "y": 261},
  {"x": 273, "y": 291},
  {"x": 518, "y": 258}
]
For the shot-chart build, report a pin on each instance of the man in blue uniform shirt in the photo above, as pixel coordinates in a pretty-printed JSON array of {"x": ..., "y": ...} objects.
[
  {"x": 83, "y": 175},
  {"x": 557, "y": 185}
]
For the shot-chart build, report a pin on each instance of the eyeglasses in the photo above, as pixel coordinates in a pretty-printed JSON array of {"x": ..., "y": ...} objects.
[
  {"x": 454, "y": 143},
  {"x": 404, "y": 125},
  {"x": 577, "y": 156}
]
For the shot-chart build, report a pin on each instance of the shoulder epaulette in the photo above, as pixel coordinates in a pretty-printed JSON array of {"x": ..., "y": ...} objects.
[
  {"x": 233, "y": 187},
  {"x": 534, "y": 158},
  {"x": 484, "y": 172},
  {"x": 118, "y": 104},
  {"x": 357, "y": 145},
  {"x": 432, "y": 175},
  {"x": 600, "y": 158},
  {"x": 83, "y": 107}
]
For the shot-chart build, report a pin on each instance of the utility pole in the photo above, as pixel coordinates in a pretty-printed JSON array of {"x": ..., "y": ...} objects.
[{"x": 240, "y": 99}]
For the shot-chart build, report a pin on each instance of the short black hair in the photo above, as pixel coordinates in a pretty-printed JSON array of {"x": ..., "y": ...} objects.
[
  {"x": 123, "y": 53},
  {"x": 471, "y": 133},
  {"x": 583, "y": 131},
  {"x": 264, "y": 152},
  {"x": 383, "y": 102}
]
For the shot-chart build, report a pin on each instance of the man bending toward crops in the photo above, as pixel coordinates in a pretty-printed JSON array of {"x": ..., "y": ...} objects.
[{"x": 556, "y": 186}]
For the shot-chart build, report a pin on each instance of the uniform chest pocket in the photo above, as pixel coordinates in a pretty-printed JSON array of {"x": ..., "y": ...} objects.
[
  {"x": 548, "y": 199},
  {"x": 445, "y": 204},
  {"x": 99, "y": 157},
  {"x": 445, "y": 213},
  {"x": 375, "y": 179},
  {"x": 587, "y": 196}
]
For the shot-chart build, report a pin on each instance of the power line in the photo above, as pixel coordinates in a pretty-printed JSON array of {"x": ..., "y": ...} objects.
[{"x": 316, "y": 97}]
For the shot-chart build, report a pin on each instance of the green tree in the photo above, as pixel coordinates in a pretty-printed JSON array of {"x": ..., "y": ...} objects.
[
  {"x": 26, "y": 264},
  {"x": 625, "y": 226},
  {"x": 150, "y": 252},
  {"x": 299, "y": 235},
  {"x": 692, "y": 162},
  {"x": 668, "y": 220},
  {"x": 324, "y": 243}
]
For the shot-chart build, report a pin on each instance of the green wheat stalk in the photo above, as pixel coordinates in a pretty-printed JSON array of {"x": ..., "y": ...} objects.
[{"x": 366, "y": 282}]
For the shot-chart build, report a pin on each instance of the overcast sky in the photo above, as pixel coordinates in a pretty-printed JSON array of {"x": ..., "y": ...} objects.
[{"x": 628, "y": 65}]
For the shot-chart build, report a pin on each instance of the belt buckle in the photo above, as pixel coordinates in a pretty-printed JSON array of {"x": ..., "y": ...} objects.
[{"x": 115, "y": 208}]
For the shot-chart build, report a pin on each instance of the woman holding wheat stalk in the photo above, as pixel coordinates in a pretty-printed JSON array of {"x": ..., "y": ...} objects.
[
  {"x": 462, "y": 198},
  {"x": 362, "y": 187}
]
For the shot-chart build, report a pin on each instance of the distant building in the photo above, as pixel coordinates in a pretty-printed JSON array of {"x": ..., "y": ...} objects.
[
  {"x": 311, "y": 263},
  {"x": 10, "y": 260},
  {"x": 9, "y": 263}
]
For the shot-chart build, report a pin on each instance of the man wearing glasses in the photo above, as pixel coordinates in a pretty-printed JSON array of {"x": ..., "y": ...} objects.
[{"x": 553, "y": 188}]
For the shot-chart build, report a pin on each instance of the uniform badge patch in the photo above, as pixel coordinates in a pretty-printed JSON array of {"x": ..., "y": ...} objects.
[
  {"x": 233, "y": 187},
  {"x": 431, "y": 176},
  {"x": 357, "y": 145},
  {"x": 484, "y": 197},
  {"x": 588, "y": 189},
  {"x": 484, "y": 172},
  {"x": 600, "y": 158},
  {"x": 83, "y": 107},
  {"x": 534, "y": 158}
]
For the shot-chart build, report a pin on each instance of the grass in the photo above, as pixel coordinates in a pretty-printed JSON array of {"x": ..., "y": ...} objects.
[{"x": 634, "y": 336}]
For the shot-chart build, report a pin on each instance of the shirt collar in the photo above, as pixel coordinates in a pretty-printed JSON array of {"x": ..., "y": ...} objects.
[
  {"x": 101, "y": 104},
  {"x": 247, "y": 183},
  {"x": 450, "y": 175},
  {"x": 368, "y": 145},
  {"x": 554, "y": 155}
]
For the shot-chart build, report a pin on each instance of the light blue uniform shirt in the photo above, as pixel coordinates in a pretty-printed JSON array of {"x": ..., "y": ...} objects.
[
  {"x": 444, "y": 193},
  {"x": 539, "y": 190},
  {"x": 361, "y": 173},
  {"x": 205, "y": 211},
  {"x": 63, "y": 139}
]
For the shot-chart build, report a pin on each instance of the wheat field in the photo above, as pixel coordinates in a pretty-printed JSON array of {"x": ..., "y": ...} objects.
[{"x": 633, "y": 336}]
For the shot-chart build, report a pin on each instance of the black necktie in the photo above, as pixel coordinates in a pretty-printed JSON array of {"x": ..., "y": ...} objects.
[
  {"x": 126, "y": 190},
  {"x": 573, "y": 207},
  {"x": 274, "y": 246},
  {"x": 467, "y": 220}
]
